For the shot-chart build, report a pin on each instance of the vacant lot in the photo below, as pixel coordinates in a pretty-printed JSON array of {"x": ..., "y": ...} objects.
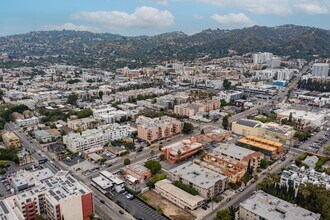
[{"x": 170, "y": 210}]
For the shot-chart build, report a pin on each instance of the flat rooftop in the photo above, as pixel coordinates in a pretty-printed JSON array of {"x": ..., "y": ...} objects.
[
  {"x": 197, "y": 175},
  {"x": 233, "y": 150},
  {"x": 270, "y": 207}
]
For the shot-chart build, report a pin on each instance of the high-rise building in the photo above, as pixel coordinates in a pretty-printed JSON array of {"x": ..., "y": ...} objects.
[
  {"x": 260, "y": 58},
  {"x": 320, "y": 69}
]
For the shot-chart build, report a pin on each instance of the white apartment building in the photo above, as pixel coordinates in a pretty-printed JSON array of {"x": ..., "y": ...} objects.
[
  {"x": 99, "y": 137},
  {"x": 260, "y": 58},
  {"x": 279, "y": 74},
  {"x": 106, "y": 182},
  {"x": 53, "y": 195},
  {"x": 27, "y": 121},
  {"x": 320, "y": 69},
  {"x": 109, "y": 114},
  {"x": 267, "y": 207}
]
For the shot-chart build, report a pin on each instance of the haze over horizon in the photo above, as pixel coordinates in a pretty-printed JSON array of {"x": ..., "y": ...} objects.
[{"x": 150, "y": 17}]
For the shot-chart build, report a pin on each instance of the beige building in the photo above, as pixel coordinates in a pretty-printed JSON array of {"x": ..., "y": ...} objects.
[
  {"x": 191, "y": 109},
  {"x": 11, "y": 140},
  {"x": 207, "y": 182},
  {"x": 270, "y": 130},
  {"x": 153, "y": 129},
  {"x": 176, "y": 195}
]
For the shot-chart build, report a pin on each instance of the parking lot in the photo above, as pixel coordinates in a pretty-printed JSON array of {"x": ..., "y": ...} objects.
[{"x": 136, "y": 207}]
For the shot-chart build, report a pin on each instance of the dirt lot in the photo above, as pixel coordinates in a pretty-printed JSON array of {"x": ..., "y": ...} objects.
[{"x": 170, "y": 210}]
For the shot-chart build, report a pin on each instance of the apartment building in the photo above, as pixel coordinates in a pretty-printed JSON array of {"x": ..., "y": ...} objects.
[
  {"x": 153, "y": 129},
  {"x": 207, "y": 182},
  {"x": 232, "y": 161},
  {"x": 11, "y": 140},
  {"x": 84, "y": 123},
  {"x": 27, "y": 121},
  {"x": 270, "y": 130},
  {"x": 99, "y": 137},
  {"x": 182, "y": 150},
  {"x": 270, "y": 148},
  {"x": 53, "y": 196},
  {"x": 178, "y": 196},
  {"x": 191, "y": 109},
  {"x": 109, "y": 114},
  {"x": 265, "y": 206},
  {"x": 320, "y": 69},
  {"x": 296, "y": 176}
]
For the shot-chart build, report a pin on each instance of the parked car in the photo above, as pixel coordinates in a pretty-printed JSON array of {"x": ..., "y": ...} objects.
[
  {"x": 121, "y": 212},
  {"x": 129, "y": 196}
]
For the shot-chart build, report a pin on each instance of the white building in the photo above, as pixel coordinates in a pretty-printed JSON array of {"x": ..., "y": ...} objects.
[
  {"x": 51, "y": 195},
  {"x": 229, "y": 96},
  {"x": 260, "y": 58},
  {"x": 267, "y": 207},
  {"x": 92, "y": 138},
  {"x": 27, "y": 121},
  {"x": 107, "y": 182},
  {"x": 320, "y": 69}
]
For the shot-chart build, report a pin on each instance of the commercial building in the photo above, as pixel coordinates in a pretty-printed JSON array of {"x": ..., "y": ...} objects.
[
  {"x": 99, "y": 137},
  {"x": 264, "y": 206},
  {"x": 42, "y": 136},
  {"x": 305, "y": 118},
  {"x": 53, "y": 196},
  {"x": 232, "y": 161},
  {"x": 320, "y": 69},
  {"x": 208, "y": 183},
  {"x": 214, "y": 136},
  {"x": 176, "y": 195},
  {"x": 181, "y": 150},
  {"x": 11, "y": 140},
  {"x": 153, "y": 129},
  {"x": 270, "y": 148},
  {"x": 270, "y": 130},
  {"x": 27, "y": 121},
  {"x": 107, "y": 182},
  {"x": 229, "y": 96},
  {"x": 137, "y": 173}
]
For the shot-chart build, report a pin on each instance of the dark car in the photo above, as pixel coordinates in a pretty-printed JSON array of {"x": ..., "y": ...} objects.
[
  {"x": 204, "y": 207},
  {"x": 121, "y": 212},
  {"x": 102, "y": 201}
]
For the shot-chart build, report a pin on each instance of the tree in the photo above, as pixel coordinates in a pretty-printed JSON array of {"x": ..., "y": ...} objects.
[
  {"x": 202, "y": 131},
  {"x": 63, "y": 132},
  {"x": 127, "y": 161},
  {"x": 101, "y": 94},
  {"x": 187, "y": 127},
  {"x": 226, "y": 84},
  {"x": 223, "y": 215},
  {"x": 160, "y": 147},
  {"x": 84, "y": 113},
  {"x": 2, "y": 123},
  {"x": 102, "y": 160},
  {"x": 152, "y": 152},
  {"x": 223, "y": 102},
  {"x": 290, "y": 117},
  {"x": 263, "y": 163},
  {"x": 72, "y": 99},
  {"x": 225, "y": 122},
  {"x": 153, "y": 165}
]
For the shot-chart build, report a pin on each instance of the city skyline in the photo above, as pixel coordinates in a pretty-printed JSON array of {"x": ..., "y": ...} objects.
[{"x": 149, "y": 17}]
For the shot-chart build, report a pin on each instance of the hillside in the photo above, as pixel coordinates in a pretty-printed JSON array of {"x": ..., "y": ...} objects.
[{"x": 111, "y": 50}]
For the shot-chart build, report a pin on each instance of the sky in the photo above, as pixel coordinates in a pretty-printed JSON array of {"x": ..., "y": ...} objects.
[{"x": 150, "y": 17}]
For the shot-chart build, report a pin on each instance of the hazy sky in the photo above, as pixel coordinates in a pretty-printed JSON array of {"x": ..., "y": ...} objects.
[{"x": 137, "y": 17}]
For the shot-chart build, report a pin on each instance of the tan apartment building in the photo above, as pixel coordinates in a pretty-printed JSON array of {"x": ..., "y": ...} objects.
[
  {"x": 182, "y": 150},
  {"x": 270, "y": 148},
  {"x": 153, "y": 129},
  {"x": 11, "y": 140}
]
